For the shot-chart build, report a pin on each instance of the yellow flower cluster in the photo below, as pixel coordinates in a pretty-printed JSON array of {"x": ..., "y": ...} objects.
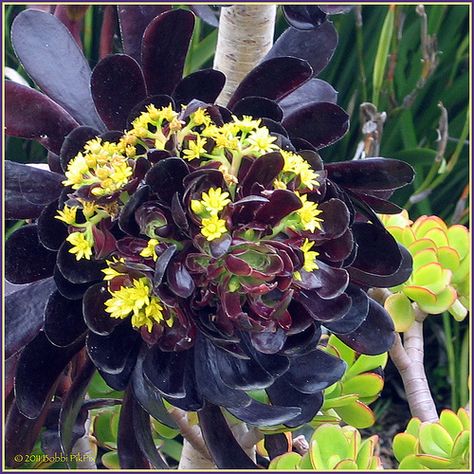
[
  {"x": 103, "y": 164},
  {"x": 82, "y": 244},
  {"x": 137, "y": 300},
  {"x": 150, "y": 250},
  {"x": 308, "y": 214},
  {"x": 309, "y": 255},
  {"x": 296, "y": 165},
  {"x": 208, "y": 208}
]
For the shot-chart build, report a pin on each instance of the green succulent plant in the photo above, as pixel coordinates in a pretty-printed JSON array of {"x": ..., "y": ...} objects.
[
  {"x": 441, "y": 262},
  {"x": 361, "y": 384},
  {"x": 333, "y": 448},
  {"x": 441, "y": 445}
]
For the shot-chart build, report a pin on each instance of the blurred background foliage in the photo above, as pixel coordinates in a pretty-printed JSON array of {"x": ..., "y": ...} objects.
[{"x": 412, "y": 63}]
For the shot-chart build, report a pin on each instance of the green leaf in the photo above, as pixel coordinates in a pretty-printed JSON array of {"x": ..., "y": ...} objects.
[
  {"x": 435, "y": 440},
  {"x": 346, "y": 465},
  {"x": 465, "y": 419},
  {"x": 404, "y": 445},
  {"x": 365, "y": 385},
  {"x": 341, "y": 401},
  {"x": 413, "y": 427},
  {"x": 284, "y": 462},
  {"x": 111, "y": 461},
  {"x": 435, "y": 462},
  {"x": 344, "y": 352},
  {"x": 366, "y": 453},
  {"x": 411, "y": 463},
  {"x": 382, "y": 53},
  {"x": 401, "y": 311},
  {"x": 366, "y": 363},
  {"x": 305, "y": 463},
  {"x": 328, "y": 446},
  {"x": 356, "y": 414},
  {"x": 163, "y": 430},
  {"x": 461, "y": 444},
  {"x": 203, "y": 52},
  {"x": 172, "y": 448}
]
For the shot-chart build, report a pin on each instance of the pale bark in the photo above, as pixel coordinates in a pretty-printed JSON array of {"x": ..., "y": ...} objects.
[
  {"x": 408, "y": 359},
  {"x": 244, "y": 38}
]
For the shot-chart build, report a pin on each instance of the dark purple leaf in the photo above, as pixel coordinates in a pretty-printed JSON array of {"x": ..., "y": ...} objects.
[
  {"x": 207, "y": 14},
  {"x": 78, "y": 271},
  {"x": 26, "y": 259},
  {"x": 258, "y": 107},
  {"x": 304, "y": 17},
  {"x": 93, "y": 308},
  {"x": 377, "y": 204},
  {"x": 166, "y": 178},
  {"x": 24, "y": 314},
  {"x": 127, "y": 220},
  {"x": 55, "y": 62},
  {"x": 110, "y": 353},
  {"x": 263, "y": 172},
  {"x": 324, "y": 310},
  {"x": 223, "y": 447},
  {"x": 142, "y": 430},
  {"x": 74, "y": 143},
  {"x": 21, "y": 433},
  {"x": 336, "y": 9},
  {"x": 315, "y": 90},
  {"x": 337, "y": 250},
  {"x": 148, "y": 397},
  {"x": 262, "y": 414},
  {"x": 162, "y": 264},
  {"x": 274, "y": 79},
  {"x": 268, "y": 342},
  {"x": 129, "y": 453},
  {"x": 63, "y": 321},
  {"x": 204, "y": 85},
  {"x": 117, "y": 85},
  {"x": 178, "y": 214},
  {"x": 276, "y": 444},
  {"x": 303, "y": 342},
  {"x": 336, "y": 218},
  {"x": 314, "y": 372},
  {"x": 209, "y": 382},
  {"x": 158, "y": 101},
  {"x": 51, "y": 231},
  {"x": 375, "y": 335},
  {"x": 242, "y": 374},
  {"x": 54, "y": 163},
  {"x": 38, "y": 369},
  {"x": 282, "y": 394},
  {"x": 28, "y": 190},
  {"x": 179, "y": 280},
  {"x": 282, "y": 203},
  {"x": 165, "y": 371},
  {"x": 355, "y": 316},
  {"x": 321, "y": 123},
  {"x": 315, "y": 46},
  {"x": 72, "y": 405},
  {"x": 371, "y": 174},
  {"x": 133, "y": 21},
  {"x": 30, "y": 114},
  {"x": 164, "y": 47},
  {"x": 121, "y": 380},
  {"x": 66, "y": 288}
]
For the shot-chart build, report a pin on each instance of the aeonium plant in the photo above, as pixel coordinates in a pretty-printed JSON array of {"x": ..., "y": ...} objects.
[{"x": 195, "y": 251}]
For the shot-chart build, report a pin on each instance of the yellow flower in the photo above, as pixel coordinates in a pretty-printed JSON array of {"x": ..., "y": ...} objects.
[
  {"x": 246, "y": 124},
  {"x": 308, "y": 177},
  {"x": 197, "y": 207},
  {"x": 262, "y": 141},
  {"x": 109, "y": 272},
  {"x": 196, "y": 148},
  {"x": 308, "y": 214},
  {"x": 168, "y": 113},
  {"x": 215, "y": 200},
  {"x": 121, "y": 173},
  {"x": 67, "y": 215},
  {"x": 76, "y": 169},
  {"x": 296, "y": 164},
  {"x": 213, "y": 227},
  {"x": 150, "y": 250},
  {"x": 277, "y": 184},
  {"x": 88, "y": 209},
  {"x": 201, "y": 117},
  {"x": 309, "y": 256},
  {"x": 82, "y": 246},
  {"x": 137, "y": 300}
]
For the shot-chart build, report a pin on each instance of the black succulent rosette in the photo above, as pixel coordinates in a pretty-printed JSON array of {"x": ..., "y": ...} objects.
[{"x": 196, "y": 250}]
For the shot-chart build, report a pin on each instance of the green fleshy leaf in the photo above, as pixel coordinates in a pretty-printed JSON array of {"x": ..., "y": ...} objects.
[
  {"x": 404, "y": 444},
  {"x": 346, "y": 465},
  {"x": 365, "y": 385},
  {"x": 411, "y": 463},
  {"x": 288, "y": 461},
  {"x": 438, "y": 236},
  {"x": 420, "y": 295},
  {"x": 459, "y": 238},
  {"x": 366, "y": 453},
  {"x": 424, "y": 257},
  {"x": 163, "y": 430},
  {"x": 339, "y": 401},
  {"x": 328, "y": 446},
  {"x": 357, "y": 414},
  {"x": 435, "y": 462},
  {"x": 465, "y": 419},
  {"x": 413, "y": 427},
  {"x": 421, "y": 244},
  {"x": 435, "y": 440},
  {"x": 305, "y": 463},
  {"x": 461, "y": 444},
  {"x": 111, "y": 461},
  {"x": 344, "y": 352},
  {"x": 449, "y": 258},
  {"x": 401, "y": 311},
  {"x": 444, "y": 301},
  {"x": 432, "y": 277},
  {"x": 451, "y": 423},
  {"x": 366, "y": 363}
]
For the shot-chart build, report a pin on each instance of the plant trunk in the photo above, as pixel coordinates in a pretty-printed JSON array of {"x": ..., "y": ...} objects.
[{"x": 245, "y": 36}]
